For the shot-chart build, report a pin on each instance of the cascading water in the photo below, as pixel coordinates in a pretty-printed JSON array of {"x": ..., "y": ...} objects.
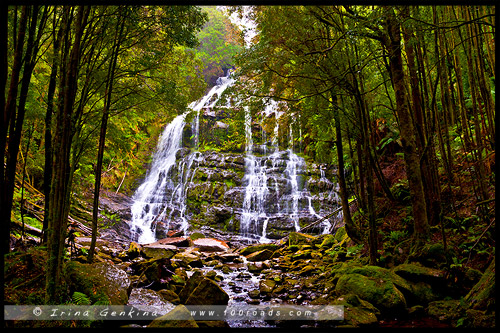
[
  {"x": 256, "y": 190},
  {"x": 149, "y": 199},
  {"x": 273, "y": 187},
  {"x": 160, "y": 191},
  {"x": 272, "y": 197}
]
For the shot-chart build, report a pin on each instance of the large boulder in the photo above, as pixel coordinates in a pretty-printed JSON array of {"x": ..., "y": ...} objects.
[
  {"x": 446, "y": 311},
  {"x": 102, "y": 282},
  {"x": 155, "y": 273},
  {"x": 357, "y": 312},
  {"x": 417, "y": 272},
  {"x": 260, "y": 255},
  {"x": 176, "y": 241},
  {"x": 378, "y": 286},
  {"x": 200, "y": 290},
  {"x": 159, "y": 251},
  {"x": 298, "y": 238},
  {"x": 381, "y": 293},
  {"x": 424, "y": 284},
  {"x": 150, "y": 301},
  {"x": 210, "y": 245},
  {"x": 180, "y": 317},
  {"x": 259, "y": 247}
]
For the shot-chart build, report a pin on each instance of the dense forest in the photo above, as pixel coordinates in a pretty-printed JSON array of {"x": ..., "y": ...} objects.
[{"x": 397, "y": 103}]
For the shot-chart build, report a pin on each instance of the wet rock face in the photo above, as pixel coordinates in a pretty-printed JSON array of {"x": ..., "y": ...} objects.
[{"x": 217, "y": 187}]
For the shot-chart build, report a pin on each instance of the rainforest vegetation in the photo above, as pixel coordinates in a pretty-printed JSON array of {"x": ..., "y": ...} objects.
[{"x": 400, "y": 100}]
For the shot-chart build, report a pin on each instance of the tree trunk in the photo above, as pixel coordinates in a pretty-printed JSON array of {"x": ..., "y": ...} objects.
[
  {"x": 47, "y": 172},
  {"x": 61, "y": 167},
  {"x": 392, "y": 42},
  {"x": 102, "y": 137},
  {"x": 9, "y": 112},
  {"x": 350, "y": 227}
]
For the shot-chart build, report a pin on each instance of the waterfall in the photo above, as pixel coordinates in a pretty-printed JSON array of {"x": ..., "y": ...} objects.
[
  {"x": 149, "y": 199},
  {"x": 292, "y": 165},
  {"x": 256, "y": 190},
  {"x": 262, "y": 202},
  {"x": 160, "y": 190},
  {"x": 272, "y": 196}
]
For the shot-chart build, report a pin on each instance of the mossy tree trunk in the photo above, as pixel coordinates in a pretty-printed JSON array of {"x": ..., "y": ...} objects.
[{"x": 392, "y": 42}]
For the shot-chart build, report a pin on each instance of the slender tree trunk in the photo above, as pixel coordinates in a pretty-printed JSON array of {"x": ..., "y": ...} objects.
[
  {"x": 102, "y": 137},
  {"x": 392, "y": 42},
  {"x": 350, "y": 227},
  {"x": 9, "y": 112},
  {"x": 5, "y": 229},
  {"x": 61, "y": 167},
  {"x": 16, "y": 106},
  {"x": 47, "y": 172}
]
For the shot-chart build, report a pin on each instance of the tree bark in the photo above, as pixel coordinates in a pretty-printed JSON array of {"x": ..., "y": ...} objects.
[
  {"x": 47, "y": 172},
  {"x": 102, "y": 136},
  {"x": 350, "y": 227},
  {"x": 392, "y": 42},
  {"x": 61, "y": 166}
]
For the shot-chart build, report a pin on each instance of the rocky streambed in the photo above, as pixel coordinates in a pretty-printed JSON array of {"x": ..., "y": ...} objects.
[{"x": 300, "y": 269}]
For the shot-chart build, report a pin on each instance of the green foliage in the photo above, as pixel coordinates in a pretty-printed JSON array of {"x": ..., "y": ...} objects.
[
  {"x": 396, "y": 236},
  {"x": 354, "y": 250},
  {"x": 79, "y": 298},
  {"x": 220, "y": 42}
]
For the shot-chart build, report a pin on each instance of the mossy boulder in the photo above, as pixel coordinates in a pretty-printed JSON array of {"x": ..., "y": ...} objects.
[
  {"x": 259, "y": 247},
  {"x": 102, "y": 282},
  {"x": 179, "y": 317},
  {"x": 431, "y": 255},
  {"x": 200, "y": 290},
  {"x": 298, "y": 238},
  {"x": 191, "y": 283},
  {"x": 266, "y": 286},
  {"x": 425, "y": 284},
  {"x": 327, "y": 242},
  {"x": 377, "y": 285},
  {"x": 382, "y": 293},
  {"x": 447, "y": 311},
  {"x": 417, "y": 272},
  {"x": 340, "y": 234},
  {"x": 153, "y": 272},
  {"x": 260, "y": 255},
  {"x": 207, "y": 292},
  {"x": 188, "y": 259},
  {"x": 134, "y": 250},
  {"x": 370, "y": 271},
  {"x": 357, "y": 312},
  {"x": 196, "y": 235},
  {"x": 169, "y": 295}
]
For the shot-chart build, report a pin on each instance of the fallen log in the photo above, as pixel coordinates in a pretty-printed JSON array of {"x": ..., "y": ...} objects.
[{"x": 27, "y": 228}]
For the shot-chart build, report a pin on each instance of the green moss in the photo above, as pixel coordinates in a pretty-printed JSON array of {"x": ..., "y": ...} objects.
[
  {"x": 254, "y": 248},
  {"x": 382, "y": 293}
]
